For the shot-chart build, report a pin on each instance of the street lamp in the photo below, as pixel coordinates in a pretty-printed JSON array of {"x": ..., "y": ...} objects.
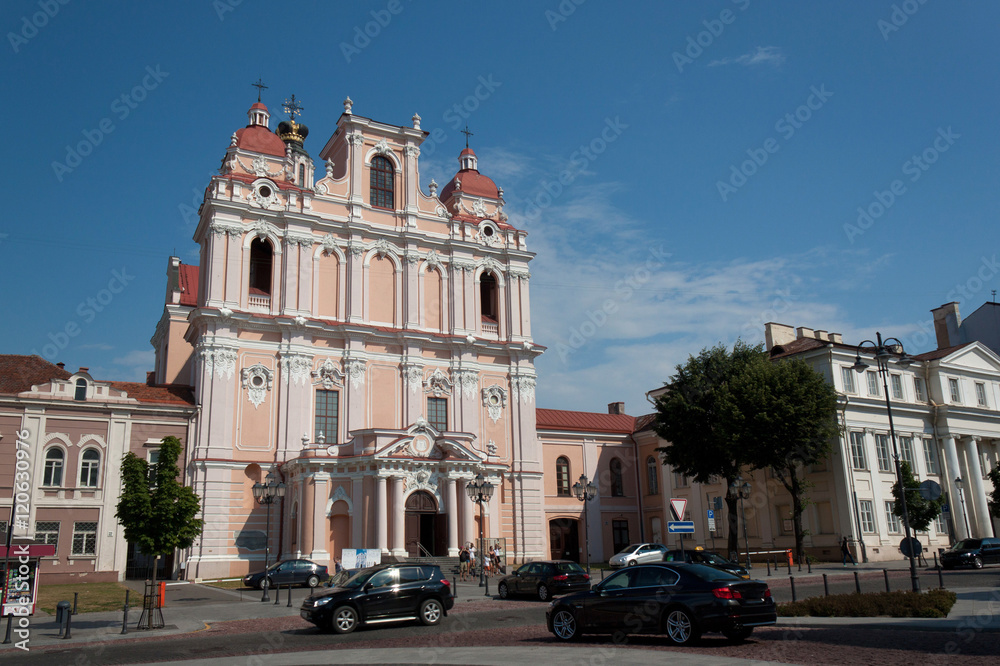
[
  {"x": 585, "y": 490},
  {"x": 743, "y": 492},
  {"x": 480, "y": 491},
  {"x": 266, "y": 493},
  {"x": 961, "y": 500},
  {"x": 884, "y": 350}
]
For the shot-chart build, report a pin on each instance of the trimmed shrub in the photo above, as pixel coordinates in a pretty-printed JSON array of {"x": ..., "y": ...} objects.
[{"x": 933, "y": 603}]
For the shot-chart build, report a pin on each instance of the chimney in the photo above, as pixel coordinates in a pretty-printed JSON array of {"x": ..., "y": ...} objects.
[
  {"x": 61, "y": 365},
  {"x": 823, "y": 336},
  {"x": 83, "y": 369},
  {"x": 803, "y": 332},
  {"x": 946, "y": 323},
  {"x": 616, "y": 408},
  {"x": 837, "y": 338},
  {"x": 777, "y": 334}
]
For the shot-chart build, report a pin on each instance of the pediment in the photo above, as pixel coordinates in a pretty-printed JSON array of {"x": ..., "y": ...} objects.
[{"x": 975, "y": 356}]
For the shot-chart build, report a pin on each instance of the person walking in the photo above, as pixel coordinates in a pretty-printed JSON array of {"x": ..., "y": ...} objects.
[
  {"x": 472, "y": 559},
  {"x": 463, "y": 564},
  {"x": 845, "y": 550}
]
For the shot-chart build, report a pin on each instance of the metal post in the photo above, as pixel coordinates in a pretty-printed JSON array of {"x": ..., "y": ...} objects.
[
  {"x": 125, "y": 614},
  {"x": 68, "y": 633},
  {"x": 288, "y": 593},
  {"x": 768, "y": 567},
  {"x": 746, "y": 538},
  {"x": 586, "y": 530},
  {"x": 885, "y": 572},
  {"x": 267, "y": 551},
  {"x": 76, "y": 596},
  {"x": 857, "y": 583},
  {"x": 826, "y": 586},
  {"x": 277, "y": 594},
  {"x": 940, "y": 578},
  {"x": 791, "y": 579},
  {"x": 810, "y": 563}
]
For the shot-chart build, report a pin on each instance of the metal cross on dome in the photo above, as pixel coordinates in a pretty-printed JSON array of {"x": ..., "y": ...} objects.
[
  {"x": 259, "y": 86},
  {"x": 467, "y": 134},
  {"x": 292, "y": 107}
]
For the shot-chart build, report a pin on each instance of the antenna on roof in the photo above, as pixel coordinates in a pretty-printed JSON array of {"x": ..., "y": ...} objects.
[{"x": 994, "y": 292}]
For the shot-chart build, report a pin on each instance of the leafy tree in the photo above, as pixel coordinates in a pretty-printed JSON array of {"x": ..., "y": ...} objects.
[
  {"x": 922, "y": 511},
  {"x": 698, "y": 417},
  {"x": 787, "y": 420},
  {"x": 994, "y": 477}
]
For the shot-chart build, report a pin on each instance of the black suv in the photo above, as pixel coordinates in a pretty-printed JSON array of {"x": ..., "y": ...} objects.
[
  {"x": 387, "y": 593},
  {"x": 972, "y": 552}
]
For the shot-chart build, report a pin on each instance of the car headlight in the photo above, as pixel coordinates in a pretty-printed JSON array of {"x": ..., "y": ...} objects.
[{"x": 322, "y": 601}]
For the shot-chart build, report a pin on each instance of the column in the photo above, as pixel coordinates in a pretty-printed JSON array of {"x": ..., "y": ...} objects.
[
  {"x": 320, "y": 540},
  {"x": 306, "y": 514},
  {"x": 954, "y": 500},
  {"x": 358, "y": 513},
  {"x": 469, "y": 532},
  {"x": 982, "y": 526},
  {"x": 381, "y": 515},
  {"x": 452, "y": 504},
  {"x": 398, "y": 518}
]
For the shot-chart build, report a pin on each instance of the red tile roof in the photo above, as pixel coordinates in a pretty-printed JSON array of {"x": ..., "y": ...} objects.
[
  {"x": 259, "y": 139},
  {"x": 171, "y": 395},
  {"x": 188, "y": 279},
  {"x": 644, "y": 422},
  {"x": 473, "y": 183},
  {"x": 559, "y": 419},
  {"x": 20, "y": 373},
  {"x": 798, "y": 346}
]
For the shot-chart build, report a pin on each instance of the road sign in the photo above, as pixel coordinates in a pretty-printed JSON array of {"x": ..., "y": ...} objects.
[
  {"x": 711, "y": 520},
  {"x": 945, "y": 508},
  {"x": 680, "y": 527},
  {"x": 930, "y": 490},
  {"x": 910, "y": 547},
  {"x": 678, "y": 507}
]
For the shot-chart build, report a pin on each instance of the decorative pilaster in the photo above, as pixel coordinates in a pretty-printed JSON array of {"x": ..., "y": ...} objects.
[
  {"x": 381, "y": 515},
  {"x": 398, "y": 518},
  {"x": 453, "y": 499}
]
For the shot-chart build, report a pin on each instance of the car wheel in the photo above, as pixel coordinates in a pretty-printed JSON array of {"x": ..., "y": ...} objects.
[
  {"x": 632, "y": 563},
  {"x": 543, "y": 592},
  {"x": 503, "y": 591},
  {"x": 680, "y": 628},
  {"x": 564, "y": 625},
  {"x": 345, "y": 620},
  {"x": 264, "y": 582},
  {"x": 737, "y": 633},
  {"x": 312, "y": 581},
  {"x": 431, "y": 612},
  {"x": 977, "y": 562}
]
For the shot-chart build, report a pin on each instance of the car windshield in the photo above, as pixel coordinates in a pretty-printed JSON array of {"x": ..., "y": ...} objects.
[
  {"x": 710, "y": 573},
  {"x": 629, "y": 549},
  {"x": 359, "y": 579},
  {"x": 569, "y": 567},
  {"x": 968, "y": 544},
  {"x": 712, "y": 558}
]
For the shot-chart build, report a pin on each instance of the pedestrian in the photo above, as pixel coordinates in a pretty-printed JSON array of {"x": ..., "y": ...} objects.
[
  {"x": 463, "y": 563},
  {"x": 337, "y": 566},
  {"x": 845, "y": 550},
  {"x": 472, "y": 558}
]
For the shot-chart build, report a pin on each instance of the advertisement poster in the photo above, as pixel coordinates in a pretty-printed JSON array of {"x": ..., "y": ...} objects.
[
  {"x": 359, "y": 558},
  {"x": 20, "y": 586}
]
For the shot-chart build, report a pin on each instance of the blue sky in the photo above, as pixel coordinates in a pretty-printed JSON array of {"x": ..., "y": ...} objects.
[{"x": 714, "y": 157}]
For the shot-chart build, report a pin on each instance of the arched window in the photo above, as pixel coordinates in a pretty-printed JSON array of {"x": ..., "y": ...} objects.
[
  {"x": 488, "y": 297},
  {"x": 90, "y": 465},
  {"x": 617, "y": 483},
  {"x": 81, "y": 389},
  {"x": 562, "y": 477},
  {"x": 53, "y": 467},
  {"x": 652, "y": 476},
  {"x": 382, "y": 181},
  {"x": 260, "y": 267}
]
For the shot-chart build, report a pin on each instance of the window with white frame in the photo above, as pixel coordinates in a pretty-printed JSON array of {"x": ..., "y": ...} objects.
[
  {"x": 940, "y": 524},
  {"x": 891, "y": 519},
  {"x": 680, "y": 481},
  {"x": 981, "y": 394},
  {"x": 47, "y": 532},
  {"x": 90, "y": 467},
  {"x": 930, "y": 457},
  {"x": 882, "y": 453},
  {"x": 906, "y": 452},
  {"x": 896, "y": 382},
  {"x": 866, "y": 512},
  {"x": 872, "y": 382},
  {"x": 652, "y": 476},
  {"x": 847, "y": 374},
  {"x": 84, "y": 538},
  {"x": 53, "y": 473},
  {"x": 152, "y": 457},
  {"x": 858, "y": 451},
  {"x": 956, "y": 396},
  {"x": 919, "y": 392}
]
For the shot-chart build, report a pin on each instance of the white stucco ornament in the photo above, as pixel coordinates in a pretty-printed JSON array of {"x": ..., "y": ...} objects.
[
  {"x": 382, "y": 148},
  {"x": 258, "y": 167},
  {"x": 257, "y": 381},
  {"x": 413, "y": 375},
  {"x": 295, "y": 367},
  {"x": 328, "y": 375},
  {"x": 494, "y": 400},
  {"x": 356, "y": 369},
  {"x": 438, "y": 384}
]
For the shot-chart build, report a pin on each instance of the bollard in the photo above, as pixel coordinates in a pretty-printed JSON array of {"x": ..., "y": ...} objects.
[
  {"x": 885, "y": 572},
  {"x": 769, "y": 567},
  {"x": 810, "y": 564},
  {"x": 857, "y": 583},
  {"x": 826, "y": 586},
  {"x": 125, "y": 614},
  {"x": 277, "y": 594},
  {"x": 68, "y": 634},
  {"x": 76, "y": 595},
  {"x": 940, "y": 578},
  {"x": 792, "y": 580},
  {"x": 288, "y": 590},
  {"x": 800, "y": 565}
]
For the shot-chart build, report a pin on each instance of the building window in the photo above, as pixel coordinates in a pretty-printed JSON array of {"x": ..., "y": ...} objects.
[
  {"x": 897, "y": 386},
  {"x": 891, "y": 519},
  {"x": 562, "y": 477},
  {"x": 153, "y": 457},
  {"x": 382, "y": 182},
  {"x": 981, "y": 394},
  {"x": 81, "y": 390},
  {"x": 302, "y": 175},
  {"x": 653, "y": 475},
  {"x": 619, "y": 534},
  {"x": 437, "y": 413},
  {"x": 325, "y": 425},
  {"x": 261, "y": 258},
  {"x": 956, "y": 397},
  {"x": 680, "y": 481},
  {"x": 488, "y": 298},
  {"x": 940, "y": 524},
  {"x": 906, "y": 453},
  {"x": 867, "y": 514},
  {"x": 90, "y": 467},
  {"x": 3, "y": 530},
  {"x": 930, "y": 457},
  {"x": 882, "y": 453},
  {"x": 84, "y": 539},
  {"x": 858, "y": 450},
  {"x": 47, "y": 532},
  {"x": 617, "y": 482},
  {"x": 847, "y": 374},
  {"x": 53, "y": 474},
  {"x": 872, "y": 383},
  {"x": 918, "y": 389}
]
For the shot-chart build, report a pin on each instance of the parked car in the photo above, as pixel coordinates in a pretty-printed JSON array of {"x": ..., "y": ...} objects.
[
  {"x": 638, "y": 553},
  {"x": 386, "y": 593},
  {"x": 679, "y": 600},
  {"x": 972, "y": 553},
  {"x": 706, "y": 557},
  {"x": 288, "y": 572},
  {"x": 545, "y": 579}
]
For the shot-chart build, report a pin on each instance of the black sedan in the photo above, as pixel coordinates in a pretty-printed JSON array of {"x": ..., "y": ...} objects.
[
  {"x": 972, "y": 553},
  {"x": 706, "y": 557},
  {"x": 288, "y": 572},
  {"x": 679, "y": 600},
  {"x": 545, "y": 579}
]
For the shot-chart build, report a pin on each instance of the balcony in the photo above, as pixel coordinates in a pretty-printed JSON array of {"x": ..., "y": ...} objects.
[
  {"x": 259, "y": 303},
  {"x": 490, "y": 327}
]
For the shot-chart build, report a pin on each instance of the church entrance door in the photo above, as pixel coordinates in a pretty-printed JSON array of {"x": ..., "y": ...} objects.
[
  {"x": 564, "y": 539},
  {"x": 424, "y": 526}
]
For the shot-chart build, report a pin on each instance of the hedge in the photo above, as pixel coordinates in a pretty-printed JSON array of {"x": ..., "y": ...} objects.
[{"x": 933, "y": 603}]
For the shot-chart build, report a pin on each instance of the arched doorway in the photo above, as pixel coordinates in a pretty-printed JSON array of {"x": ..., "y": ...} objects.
[
  {"x": 564, "y": 539},
  {"x": 424, "y": 526}
]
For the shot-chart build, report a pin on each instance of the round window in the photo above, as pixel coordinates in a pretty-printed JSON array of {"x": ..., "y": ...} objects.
[
  {"x": 494, "y": 400},
  {"x": 264, "y": 191},
  {"x": 257, "y": 381},
  {"x": 487, "y": 231}
]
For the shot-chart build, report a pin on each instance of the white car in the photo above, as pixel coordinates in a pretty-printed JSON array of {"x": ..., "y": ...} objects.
[{"x": 638, "y": 553}]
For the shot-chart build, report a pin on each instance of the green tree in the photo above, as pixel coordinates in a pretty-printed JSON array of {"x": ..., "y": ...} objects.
[
  {"x": 788, "y": 420},
  {"x": 994, "y": 477},
  {"x": 922, "y": 511},
  {"x": 698, "y": 417}
]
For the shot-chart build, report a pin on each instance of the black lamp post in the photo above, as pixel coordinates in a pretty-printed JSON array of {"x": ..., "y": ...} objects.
[
  {"x": 884, "y": 350},
  {"x": 266, "y": 493},
  {"x": 961, "y": 502},
  {"x": 480, "y": 491},
  {"x": 743, "y": 492},
  {"x": 585, "y": 490}
]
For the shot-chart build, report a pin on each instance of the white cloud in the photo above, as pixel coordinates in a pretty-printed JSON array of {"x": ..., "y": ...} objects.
[
  {"x": 762, "y": 55},
  {"x": 133, "y": 365}
]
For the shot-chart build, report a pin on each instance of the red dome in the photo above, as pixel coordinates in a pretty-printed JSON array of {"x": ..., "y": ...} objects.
[
  {"x": 473, "y": 183},
  {"x": 259, "y": 139}
]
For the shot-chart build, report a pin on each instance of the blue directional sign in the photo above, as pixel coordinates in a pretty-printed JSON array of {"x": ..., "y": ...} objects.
[{"x": 680, "y": 527}]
